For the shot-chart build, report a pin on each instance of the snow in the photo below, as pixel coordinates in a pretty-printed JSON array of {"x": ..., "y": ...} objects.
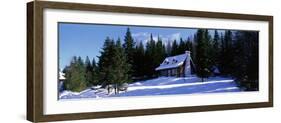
[
  {"x": 169, "y": 62},
  {"x": 61, "y": 76},
  {"x": 88, "y": 93},
  {"x": 161, "y": 86}
]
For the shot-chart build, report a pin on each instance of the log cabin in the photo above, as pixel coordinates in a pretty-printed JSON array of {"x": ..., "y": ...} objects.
[{"x": 179, "y": 66}]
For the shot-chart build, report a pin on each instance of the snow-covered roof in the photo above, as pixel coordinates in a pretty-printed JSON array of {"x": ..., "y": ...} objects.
[
  {"x": 61, "y": 76},
  {"x": 172, "y": 62}
]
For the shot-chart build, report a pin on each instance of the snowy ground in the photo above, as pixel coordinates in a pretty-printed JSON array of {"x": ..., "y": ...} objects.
[{"x": 162, "y": 86}]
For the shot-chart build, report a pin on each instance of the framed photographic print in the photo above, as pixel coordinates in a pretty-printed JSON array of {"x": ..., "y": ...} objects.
[{"x": 96, "y": 61}]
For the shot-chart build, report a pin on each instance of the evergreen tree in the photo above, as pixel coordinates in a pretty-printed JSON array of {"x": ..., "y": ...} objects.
[
  {"x": 75, "y": 75},
  {"x": 194, "y": 49},
  {"x": 139, "y": 60},
  {"x": 105, "y": 62},
  {"x": 221, "y": 52},
  {"x": 168, "y": 48},
  {"x": 150, "y": 54},
  {"x": 227, "y": 53},
  {"x": 240, "y": 55},
  {"x": 182, "y": 47},
  {"x": 160, "y": 52},
  {"x": 253, "y": 64},
  {"x": 246, "y": 59},
  {"x": 174, "y": 50},
  {"x": 215, "y": 49},
  {"x": 95, "y": 79},
  {"x": 120, "y": 67},
  {"x": 129, "y": 49},
  {"x": 189, "y": 45},
  {"x": 113, "y": 65},
  {"x": 88, "y": 72},
  {"x": 202, "y": 50}
]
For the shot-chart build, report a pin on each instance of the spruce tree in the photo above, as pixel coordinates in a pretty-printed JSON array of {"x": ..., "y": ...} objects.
[
  {"x": 113, "y": 64},
  {"x": 182, "y": 47},
  {"x": 95, "y": 79},
  {"x": 189, "y": 45},
  {"x": 240, "y": 57},
  {"x": 120, "y": 68},
  {"x": 194, "y": 48},
  {"x": 174, "y": 50},
  {"x": 105, "y": 62},
  {"x": 227, "y": 54},
  {"x": 75, "y": 75},
  {"x": 160, "y": 49},
  {"x": 202, "y": 53},
  {"x": 139, "y": 60},
  {"x": 150, "y": 54},
  {"x": 215, "y": 49},
  {"x": 168, "y": 48},
  {"x": 129, "y": 49},
  {"x": 246, "y": 59},
  {"x": 88, "y": 72}
]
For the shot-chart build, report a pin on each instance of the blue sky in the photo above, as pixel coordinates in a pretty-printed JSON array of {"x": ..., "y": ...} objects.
[{"x": 87, "y": 39}]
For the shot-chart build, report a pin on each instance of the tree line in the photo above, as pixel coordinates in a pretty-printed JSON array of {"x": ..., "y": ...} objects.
[{"x": 234, "y": 53}]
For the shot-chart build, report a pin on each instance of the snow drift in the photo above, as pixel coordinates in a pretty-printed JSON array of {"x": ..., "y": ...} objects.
[{"x": 161, "y": 86}]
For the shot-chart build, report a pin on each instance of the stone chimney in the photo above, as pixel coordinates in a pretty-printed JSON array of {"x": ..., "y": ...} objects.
[{"x": 187, "y": 69}]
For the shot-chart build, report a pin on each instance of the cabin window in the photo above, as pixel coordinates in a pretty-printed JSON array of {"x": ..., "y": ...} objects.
[
  {"x": 169, "y": 72},
  {"x": 174, "y": 71}
]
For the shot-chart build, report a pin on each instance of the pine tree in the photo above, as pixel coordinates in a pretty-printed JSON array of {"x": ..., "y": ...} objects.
[
  {"x": 95, "y": 79},
  {"x": 194, "y": 48},
  {"x": 113, "y": 64},
  {"x": 168, "y": 48},
  {"x": 189, "y": 45},
  {"x": 88, "y": 72},
  {"x": 202, "y": 49},
  {"x": 216, "y": 39},
  {"x": 75, "y": 75},
  {"x": 221, "y": 52},
  {"x": 246, "y": 59},
  {"x": 129, "y": 49},
  {"x": 105, "y": 62},
  {"x": 174, "y": 50},
  {"x": 240, "y": 56},
  {"x": 182, "y": 47},
  {"x": 160, "y": 49},
  {"x": 139, "y": 60},
  {"x": 150, "y": 54},
  {"x": 120, "y": 67},
  {"x": 253, "y": 64},
  {"x": 215, "y": 49},
  {"x": 227, "y": 54}
]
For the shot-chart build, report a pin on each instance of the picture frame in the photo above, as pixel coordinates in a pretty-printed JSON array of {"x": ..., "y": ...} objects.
[{"x": 36, "y": 60}]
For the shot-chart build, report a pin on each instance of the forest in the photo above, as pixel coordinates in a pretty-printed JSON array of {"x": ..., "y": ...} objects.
[{"x": 233, "y": 52}]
